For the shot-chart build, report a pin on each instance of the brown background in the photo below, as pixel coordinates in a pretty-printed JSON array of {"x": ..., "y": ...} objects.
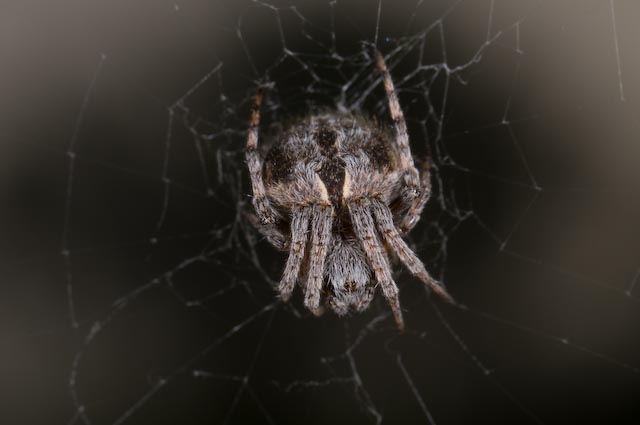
[{"x": 544, "y": 273}]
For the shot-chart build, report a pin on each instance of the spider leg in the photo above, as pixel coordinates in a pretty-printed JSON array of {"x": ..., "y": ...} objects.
[
  {"x": 410, "y": 178},
  {"x": 264, "y": 210},
  {"x": 321, "y": 223},
  {"x": 384, "y": 222},
  {"x": 359, "y": 210},
  {"x": 270, "y": 231},
  {"x": 412, "y": 216},
  {"x": 299, "y": 229}
]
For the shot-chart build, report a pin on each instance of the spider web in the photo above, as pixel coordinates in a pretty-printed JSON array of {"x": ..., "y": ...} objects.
[{"x": 136, "y": 292}]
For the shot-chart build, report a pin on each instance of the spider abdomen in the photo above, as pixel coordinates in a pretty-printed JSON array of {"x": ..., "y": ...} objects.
[{"x": 330, "y": 158}]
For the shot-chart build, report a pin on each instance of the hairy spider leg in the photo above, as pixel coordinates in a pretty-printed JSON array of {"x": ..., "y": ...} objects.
[
  {"x": 411, "y": 180},
  {"x": 412, "y": 216},
  {"x": 266, "y": 221},
  {"x": 299, "y": 230},
  {"x": 321, "y": 222},
  {"x": 266, "y": 213},
  {"x": 359, "y": 209},
  {"x": 270, "y": 232},
  {"x": 384, "y": 222}
]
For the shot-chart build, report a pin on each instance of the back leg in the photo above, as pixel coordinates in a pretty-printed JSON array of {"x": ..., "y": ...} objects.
[
  {"x": 264, "y": 210},
  {"x": 365, "y": 231},
  {"x": 411, "y": 180},
  {"x": 384, "y": 221}
]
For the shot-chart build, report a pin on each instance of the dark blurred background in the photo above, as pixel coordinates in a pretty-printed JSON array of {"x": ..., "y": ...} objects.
[{"x": 134, "y": 292}]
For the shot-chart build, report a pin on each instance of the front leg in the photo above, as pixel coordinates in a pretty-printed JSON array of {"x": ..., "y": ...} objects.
[
  {"x": 389, "y": 233},
  {"x": 321, "y": 223},
  {"x": 360, "y": 212},
  {"x": 299, "y": 234}
]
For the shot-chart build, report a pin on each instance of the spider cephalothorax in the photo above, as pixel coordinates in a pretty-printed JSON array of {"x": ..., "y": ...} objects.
[{"x": 338, "y": 192}]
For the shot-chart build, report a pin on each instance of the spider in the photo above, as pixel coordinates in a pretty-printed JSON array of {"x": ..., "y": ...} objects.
[{"x": 338, "y": 191}]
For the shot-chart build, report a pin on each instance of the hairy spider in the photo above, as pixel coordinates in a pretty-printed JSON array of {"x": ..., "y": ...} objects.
[{"x": 355, "y": 187}]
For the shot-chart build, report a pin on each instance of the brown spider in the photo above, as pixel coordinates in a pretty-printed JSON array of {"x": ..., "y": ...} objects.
[{"x": 355, "y": 187}]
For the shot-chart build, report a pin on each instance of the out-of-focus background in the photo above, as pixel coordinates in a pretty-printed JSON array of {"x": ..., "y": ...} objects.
[{"x": 134, "y": 292}]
